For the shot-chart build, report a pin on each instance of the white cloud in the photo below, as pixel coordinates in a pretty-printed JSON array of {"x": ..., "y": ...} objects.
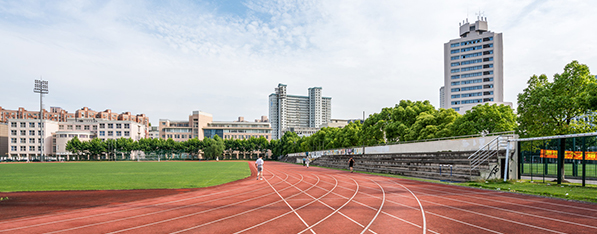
[{"x": 167, "y": 59}]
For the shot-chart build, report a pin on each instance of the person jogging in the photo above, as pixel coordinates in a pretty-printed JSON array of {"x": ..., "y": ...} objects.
[
  {"x": 259, "y": 165},
  {"x": 307, "y": 162},
  {"x": 350, "y": 164}
]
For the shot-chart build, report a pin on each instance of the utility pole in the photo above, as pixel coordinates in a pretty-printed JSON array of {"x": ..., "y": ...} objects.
[{"x": 41, "y": 87}]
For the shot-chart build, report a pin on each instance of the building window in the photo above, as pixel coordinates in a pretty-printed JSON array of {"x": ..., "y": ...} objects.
[
  {"x": 13, "y": 140},
  {"x": 455, "y": 90},
  {"x": 487, "y": 79},
  {"x": 454, "y": 64},
  {"x": 455, "y": 76},
  {"x": 118, "y": 125},
  {"x": 472, "y": 68},
  {"x": 102, "y": 133},
  {"x": 455, "y": 83},
  {"x": 472, "y": 81},
  {"x": 32, "y": 140},
  {"x": 13, "y": 132},
  {"x": 471, "y": 101},
  {"x": 32, "y": 132},
  {"x": 456, "y": 96},
  {"x": 488, "y": 100},
  {"x": 472, "y": 74},
  {"x": 470, "y": 48},
  {"x": 163, "y": 136},
  {"x": 60, "y": 127},
  {"x": 127, "y": 133},
  {"x": 456, "y": 108},
  {"x": 13, "y": 124},
  {"x": 31, "y": 148},
  {"x": 488, "y": 93},
  {"x": 23, "y": 148},
  {"x": 13, "y": 148},
  {"x": 454, "y": 57},
  {"x": 31, "y": 124},
  {"x": 110, "y": 125},
  {"x": 23, "y": 140},
  {"x": 455, "y": 70},
  {"x": 471, "y": 88},
  {"x": 472, "y": 94},
  {"x": 488, "y": 39},
  {"x": 23, "y": 132},
  {"x": 455, "y": 45},
  {"x": 487, "y": 59},
  {"x": 110, "y": 133},
  {"x": 473, "y": 55},
  {"x": 102, "y": 125},
  {"x": 169, "y": 135},
  {"x": 69, "y": 127},
  {"x": 487, "y": 52},
  {"x": 118, "y": 133},
  {"x": 488, "y": 86},
  {"x": 127, "y": 126},
  {"x": 23, "y": 125},
  {"x": 488, "y": 73},
  {"x": 454, "y": 51},
  {"x": 86, "y": 127},
  {"x": 455, "y": 102},
  {"x": 39, "y": 132}
]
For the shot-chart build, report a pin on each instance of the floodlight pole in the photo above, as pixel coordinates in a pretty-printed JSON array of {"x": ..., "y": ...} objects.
[{"x": 41, "y": 87}]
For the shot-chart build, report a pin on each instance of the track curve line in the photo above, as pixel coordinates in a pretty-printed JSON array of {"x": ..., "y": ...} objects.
[
  {"x": 420, "y": 206},
  {"x": 380, "y": 207},
  {"x": 337, "y": 210}
]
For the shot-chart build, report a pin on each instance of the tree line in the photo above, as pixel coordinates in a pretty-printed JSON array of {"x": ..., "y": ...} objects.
[
  {"x": 208, "y": 148},
  {"x": 565, "y": 105}
]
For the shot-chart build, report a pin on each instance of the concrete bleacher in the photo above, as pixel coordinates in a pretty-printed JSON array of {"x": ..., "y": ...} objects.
[{"x": 429, "y": 165}]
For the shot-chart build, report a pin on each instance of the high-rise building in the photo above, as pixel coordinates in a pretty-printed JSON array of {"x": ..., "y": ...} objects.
[
  {"x": 473, "y": 68},
  {"x": 287, "y": 112}
]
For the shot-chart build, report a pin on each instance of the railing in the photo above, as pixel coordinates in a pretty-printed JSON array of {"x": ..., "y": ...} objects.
[{"x": 487, "y": 151}]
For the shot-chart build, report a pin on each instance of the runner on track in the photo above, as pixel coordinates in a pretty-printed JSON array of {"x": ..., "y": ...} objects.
[
  {"x": 350, "y": 164},
  {"x": 259, "y": 165},
  {"x": 307, "y": 162}
]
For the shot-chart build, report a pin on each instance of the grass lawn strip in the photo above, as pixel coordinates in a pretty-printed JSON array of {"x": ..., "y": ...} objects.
[{"x": 118, "y": 175}]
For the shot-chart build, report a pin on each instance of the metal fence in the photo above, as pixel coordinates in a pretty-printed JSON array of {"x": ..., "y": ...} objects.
[{"x": 567, "y": 157}]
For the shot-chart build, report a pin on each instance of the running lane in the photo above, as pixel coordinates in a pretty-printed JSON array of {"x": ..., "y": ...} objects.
[{"x": 296, "y": 199}]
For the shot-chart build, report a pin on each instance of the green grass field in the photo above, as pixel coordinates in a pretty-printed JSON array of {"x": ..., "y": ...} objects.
[
  {"x": 118, "y": 175},
  {"x": 552, "y": 169}
]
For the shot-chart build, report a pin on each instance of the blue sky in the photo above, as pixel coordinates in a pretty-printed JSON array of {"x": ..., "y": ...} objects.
[{"x": 168, "y": 58}]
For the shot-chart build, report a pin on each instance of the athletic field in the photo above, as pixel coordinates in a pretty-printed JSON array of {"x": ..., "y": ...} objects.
[
  {"x": 296, "y": 199},
  {"x": 118, "y": 175}
]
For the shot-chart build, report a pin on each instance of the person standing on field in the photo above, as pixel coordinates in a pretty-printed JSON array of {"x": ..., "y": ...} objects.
[
  {"x": 350, "y": 164},
  {"x": 259, "y": 165},
  {"x": 307, "y": 162}
]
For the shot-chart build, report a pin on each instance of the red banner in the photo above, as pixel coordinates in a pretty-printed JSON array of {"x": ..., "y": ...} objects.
[{"x": 569, "y": 154}]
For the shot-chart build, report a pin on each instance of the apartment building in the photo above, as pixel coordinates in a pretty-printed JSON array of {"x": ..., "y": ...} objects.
[
  {"x": 287, "y": 112},
  {"x": 473, "y": 68},
  {"x": 182, "y": 130},
  {"x": 3, "y": 141},
  {"x": 30, "y": 138},
  {"x": 60, "y": 115},
  {"x": 238, "y": 130}
]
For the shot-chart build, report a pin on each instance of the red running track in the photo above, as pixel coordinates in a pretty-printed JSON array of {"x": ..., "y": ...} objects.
[{"x": 296, "y": 199}]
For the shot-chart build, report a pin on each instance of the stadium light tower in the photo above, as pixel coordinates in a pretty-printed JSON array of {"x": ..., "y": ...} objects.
[{"x": 41, "y": 87}]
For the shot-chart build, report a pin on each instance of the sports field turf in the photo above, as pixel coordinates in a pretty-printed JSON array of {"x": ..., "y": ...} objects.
[{"x": 118, "y": 175}]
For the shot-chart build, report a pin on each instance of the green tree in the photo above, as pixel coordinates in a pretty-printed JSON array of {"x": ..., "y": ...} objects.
[
  {"x": 485, "y": 118},
  {"x": 553, "y": 108}
]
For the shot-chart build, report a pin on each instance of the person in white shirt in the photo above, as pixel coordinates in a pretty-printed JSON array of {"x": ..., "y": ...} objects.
[{"x": 259, "y": 165}]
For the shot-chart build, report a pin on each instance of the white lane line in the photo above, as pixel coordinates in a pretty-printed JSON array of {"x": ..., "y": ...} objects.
[
  {"x": 336, "y": 210},
  {"x": 501, "y": 194},
  {"x": 280, "y": 216},
  {"x": 156, "y": 212},
  {"x": 370, "y": 195},
  {"x": 512, "y": 211},
  {"x": 289, "y": 206},
  {"x": 200, "y": 212},
  {"x": 380, "y": 207},
  {"x": 244, "y": 212},
  {"x": 345, "y": 198},
  {"x": 421, "y": 206},
  {"x": 486, "y": 215},
  {"x": 506, "y": 202}
]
